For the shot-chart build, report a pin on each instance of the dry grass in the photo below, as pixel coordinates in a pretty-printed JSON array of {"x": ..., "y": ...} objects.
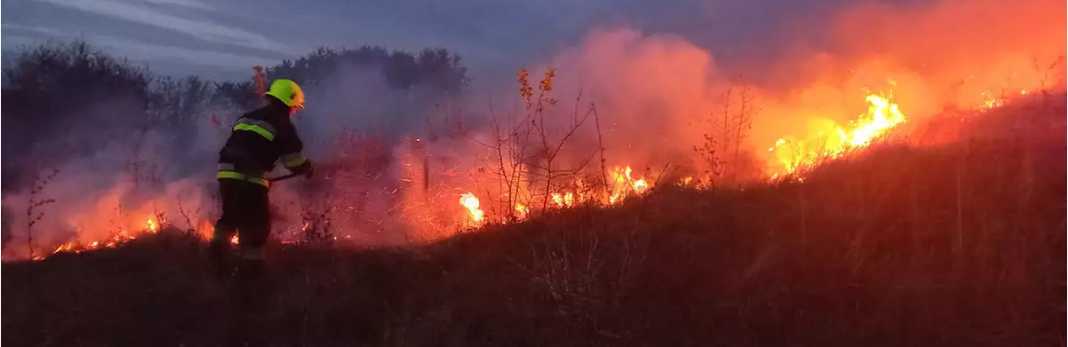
[{"x": 957, "y": 245}]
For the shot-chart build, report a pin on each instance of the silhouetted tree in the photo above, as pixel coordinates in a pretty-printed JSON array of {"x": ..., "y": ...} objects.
[
  {"x": 437, "y": 69},
  {"x": 67, "y": 100},
  {"x": 72, "y": 95},
  {"x": 235, "y": 95},
  {"x": 177, "y": 104}
]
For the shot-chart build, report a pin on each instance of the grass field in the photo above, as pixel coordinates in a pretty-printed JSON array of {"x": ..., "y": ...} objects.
[{"x": 961, "y": 244}]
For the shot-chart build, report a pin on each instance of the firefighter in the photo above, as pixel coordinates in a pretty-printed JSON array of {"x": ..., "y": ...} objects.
[{"x": 258, "y": 141}]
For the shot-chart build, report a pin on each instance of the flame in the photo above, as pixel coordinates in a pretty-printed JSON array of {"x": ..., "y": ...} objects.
[
  {"x": 151, "y": 225},
  {"x": 469, "y": 201},
  {"x": 521, "y": 211},
  {"x": 206, "y": 229},
  {"x": 234, "y": 240},
  {"x": 563, "y": 199},
  {"x": 990, "y": 102},
  {"x": 883, "y": 115},
  {"x": 66, "y": 247},
  {"x": 625, "y": 185}
]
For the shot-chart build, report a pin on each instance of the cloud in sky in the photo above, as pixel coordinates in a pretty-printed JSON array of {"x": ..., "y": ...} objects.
[
  {"x": 202, "y": 29},
  {"x": 164, "y": 59},
  {"x": 493, "y": 36},
  {"x": 182, "y": 3}
]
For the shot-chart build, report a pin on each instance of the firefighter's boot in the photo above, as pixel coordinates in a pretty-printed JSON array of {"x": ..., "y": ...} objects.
[{"x": 219, "y": 254}]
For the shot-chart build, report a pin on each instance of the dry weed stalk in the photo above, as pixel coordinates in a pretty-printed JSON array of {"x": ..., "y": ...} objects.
[{"x": 33, "y": 215}]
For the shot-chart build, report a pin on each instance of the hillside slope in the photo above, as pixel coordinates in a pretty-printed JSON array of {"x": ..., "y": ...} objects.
[{"x": 955, "y": 245}]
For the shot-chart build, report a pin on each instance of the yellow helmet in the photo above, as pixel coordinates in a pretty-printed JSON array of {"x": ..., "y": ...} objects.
[{"x": 288, "y": 92}]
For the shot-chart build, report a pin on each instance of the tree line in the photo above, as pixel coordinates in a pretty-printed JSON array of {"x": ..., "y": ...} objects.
[{"x": 70, "y": 99}]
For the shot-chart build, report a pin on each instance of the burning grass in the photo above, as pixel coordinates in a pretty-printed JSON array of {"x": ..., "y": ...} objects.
[
  {"x": 959, "y": 244},
  {"x": 528, "y": 162},
  {"x": 883, "y": 116}
]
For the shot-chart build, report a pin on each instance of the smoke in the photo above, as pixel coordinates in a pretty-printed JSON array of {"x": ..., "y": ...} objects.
[
  {"x": 351, "y": 99},
  {"x": 108, "y": 194},
  {"x": 657, "y": 93},
  {"x": 653, "y": 93}
]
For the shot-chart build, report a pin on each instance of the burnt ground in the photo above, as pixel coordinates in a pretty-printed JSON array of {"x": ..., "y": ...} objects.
[{"x": 960, "y": 245}]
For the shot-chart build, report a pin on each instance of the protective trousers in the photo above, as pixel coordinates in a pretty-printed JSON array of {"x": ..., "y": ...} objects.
[{"x": 246, "y": 212}]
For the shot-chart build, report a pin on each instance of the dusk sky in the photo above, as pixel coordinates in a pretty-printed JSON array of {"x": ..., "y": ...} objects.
[{"x": 222, "y": 39}]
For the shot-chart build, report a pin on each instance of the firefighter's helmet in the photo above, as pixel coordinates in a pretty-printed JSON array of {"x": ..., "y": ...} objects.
[{"x": 288, "y": 92}]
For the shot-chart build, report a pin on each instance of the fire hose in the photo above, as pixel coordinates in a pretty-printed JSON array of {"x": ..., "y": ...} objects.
[
  {"x": 284, "y": 177},
  {"x": 287, "y": 176}
]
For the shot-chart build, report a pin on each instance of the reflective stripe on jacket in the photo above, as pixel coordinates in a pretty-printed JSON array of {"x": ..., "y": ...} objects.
[
  {"x": 228, "y": 171},
  {"x": 258, "y": 141}
]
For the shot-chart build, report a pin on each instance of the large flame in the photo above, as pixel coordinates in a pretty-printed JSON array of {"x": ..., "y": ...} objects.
[{"x": 794, "y": 154}]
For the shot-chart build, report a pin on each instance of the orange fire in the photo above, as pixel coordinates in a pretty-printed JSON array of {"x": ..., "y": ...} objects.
[
  {"x": 151, "y": 225},
  {"x": 563, "y": 199},
  {"x": 624, "y": 185},
  {"x": 991, "y": 102},
  {"x": 521, "y": 211},
  {"x": 883, "y": 115},
  {"x": 206, "y": 229}
]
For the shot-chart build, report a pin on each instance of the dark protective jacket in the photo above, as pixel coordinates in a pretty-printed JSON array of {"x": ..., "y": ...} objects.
[{"x": 259, "y": 140}]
